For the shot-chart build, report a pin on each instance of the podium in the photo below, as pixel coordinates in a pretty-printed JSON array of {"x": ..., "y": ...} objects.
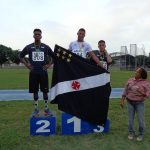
[
  {"x": 72, "y": 125},
  {"x": 42, "y": 125}
]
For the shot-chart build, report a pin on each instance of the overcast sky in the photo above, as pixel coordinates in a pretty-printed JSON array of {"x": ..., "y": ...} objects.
[{"x": 118, "y": 22}]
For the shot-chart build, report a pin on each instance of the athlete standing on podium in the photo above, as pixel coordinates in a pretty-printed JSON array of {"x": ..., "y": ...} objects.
[
  {"x": 40, "y": 59},
  {"x": 81, "y": 48}
]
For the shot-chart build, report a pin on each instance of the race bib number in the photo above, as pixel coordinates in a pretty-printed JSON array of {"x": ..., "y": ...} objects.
[
  {"x": 38, "y": 56},
  {"x": 78, "y": 52}
]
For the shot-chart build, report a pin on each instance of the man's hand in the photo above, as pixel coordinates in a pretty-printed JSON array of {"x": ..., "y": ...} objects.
[
  {"x": 109, "y": 59},
  {"x": 100, "y": 65},
  {"x": 45, "y": 67},
  {"x": 26, "y": 63},
  {"x": 29, "y": 66},
  {"x": 105, "y": 52}
]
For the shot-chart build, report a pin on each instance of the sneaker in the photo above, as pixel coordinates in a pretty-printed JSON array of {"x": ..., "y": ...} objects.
[
  {"x": 139, "y": 138},
  {"x": 47, "y": 112},
  {"x": 130, "y": 136},
  {"x": 35, "y": 113}
]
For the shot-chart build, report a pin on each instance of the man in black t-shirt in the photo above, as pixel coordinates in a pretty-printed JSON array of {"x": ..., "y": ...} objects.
[
  {"x": 40, "y": 59},
  {"x": 104, "y": 57}
]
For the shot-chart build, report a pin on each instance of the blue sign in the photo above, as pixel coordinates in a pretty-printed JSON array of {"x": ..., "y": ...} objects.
[
  {"x": 43, "y": 125},
  {"x": 73, "y": 125}
]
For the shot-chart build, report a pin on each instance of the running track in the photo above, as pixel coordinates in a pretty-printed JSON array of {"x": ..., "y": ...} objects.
[{"x": 8, "y": 95}]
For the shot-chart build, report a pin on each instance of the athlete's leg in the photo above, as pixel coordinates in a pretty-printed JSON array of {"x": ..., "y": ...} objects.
[
  {"x": 45, "y": 89},
  {"x": 36, "y": 97},
  {"x": 45, "y": 97},
  {"x": 33, "y": 88}
]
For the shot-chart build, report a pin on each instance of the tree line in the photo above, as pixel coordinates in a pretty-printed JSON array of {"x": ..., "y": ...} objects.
[{"x": 8, "y": 55}]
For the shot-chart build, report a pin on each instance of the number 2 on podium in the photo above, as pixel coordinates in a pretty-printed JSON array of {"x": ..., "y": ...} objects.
[{"x": 43, "y": 129}]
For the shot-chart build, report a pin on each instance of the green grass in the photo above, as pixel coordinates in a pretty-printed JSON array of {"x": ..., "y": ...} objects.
[
  {"x": 18, "y": 78},
  {"x": 119, "y": 78},
  {"x": 14, "y": 131},
  {"x": 14, "y": 78},
  {"x": 14, "y": 121}
]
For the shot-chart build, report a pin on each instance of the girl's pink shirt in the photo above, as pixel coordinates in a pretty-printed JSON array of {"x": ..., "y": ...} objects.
[{"x": 137, "y": 89}]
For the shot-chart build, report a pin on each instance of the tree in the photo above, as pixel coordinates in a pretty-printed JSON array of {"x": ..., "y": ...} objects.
[
  {"x": 5, "y": 53},
  {"x": 14, "y": 57}
]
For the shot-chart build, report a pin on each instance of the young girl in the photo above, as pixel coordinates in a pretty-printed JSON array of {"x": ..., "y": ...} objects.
[{"x": 136, "y": 91}]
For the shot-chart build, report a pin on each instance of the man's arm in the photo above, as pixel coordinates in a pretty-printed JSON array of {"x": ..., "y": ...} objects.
[
  {"x": 22, "y": 58},
  {"x": 50, "y": 58},
  {"x": 109, "y": 59},
  {"x": 70, "y": 47},
  {"x": 95, "y": 58},
  {"x": 50, "y": 62},
  {"x": 26, "y": 63}
]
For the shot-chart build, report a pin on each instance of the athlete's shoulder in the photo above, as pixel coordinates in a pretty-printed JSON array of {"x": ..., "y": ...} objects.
[
  {"x": 30, "y": 45},
  {"x": 87, "y": 46},
  {"x": 45, "y": 45},
  {"x": 86, "y": 43},
  {"x": 72, "y": 45},
  {"x": 73, "y": 42}
]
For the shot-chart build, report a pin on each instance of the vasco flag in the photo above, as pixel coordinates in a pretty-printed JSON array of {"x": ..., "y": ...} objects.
[{"x": 79, "y": 87}]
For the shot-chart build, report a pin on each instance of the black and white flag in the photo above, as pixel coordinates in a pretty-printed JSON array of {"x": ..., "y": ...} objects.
[{"x": 80, "y": 88}]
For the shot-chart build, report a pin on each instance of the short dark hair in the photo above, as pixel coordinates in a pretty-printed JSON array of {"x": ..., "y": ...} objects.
[
  {"x": 143, "y": 73},
  {"x": 82, "y": 29},
  {"x": 101, "y": 41},
  {"x": 39, "y": 30}
]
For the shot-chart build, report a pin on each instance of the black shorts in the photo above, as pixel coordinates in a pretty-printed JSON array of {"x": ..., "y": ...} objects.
[{"x": 38, "y": 79}]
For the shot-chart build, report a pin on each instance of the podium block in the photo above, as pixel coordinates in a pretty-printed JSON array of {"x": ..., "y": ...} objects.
[
  {"x": 72, "y": 125},
  {"x": 43, "y": 125},
  {"x": 99, "y": 129}
]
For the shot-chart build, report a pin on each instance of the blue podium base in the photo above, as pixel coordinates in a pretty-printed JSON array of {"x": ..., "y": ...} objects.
[
  {"x": 43, "y": 125},
  {"x": 72, "y": 125}
]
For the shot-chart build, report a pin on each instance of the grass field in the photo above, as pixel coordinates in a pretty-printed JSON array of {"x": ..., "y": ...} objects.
[
  {"x": 18, "y": 78},
  {"x": 14, "y": 131},
  {"x": 15, "y": 78},
  {"x": 14, "y": 121}
]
